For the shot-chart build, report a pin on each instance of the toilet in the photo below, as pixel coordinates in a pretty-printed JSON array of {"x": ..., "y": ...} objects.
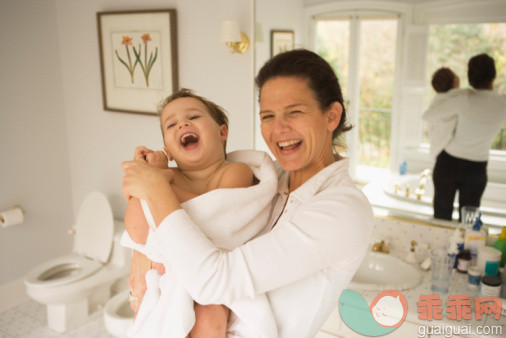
[
  {"x": 118, "y": 315},
  {"x": 77, "y": 283}
]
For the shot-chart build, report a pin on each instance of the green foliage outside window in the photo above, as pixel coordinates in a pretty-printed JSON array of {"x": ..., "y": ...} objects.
[{"x": 376, "y": 74}]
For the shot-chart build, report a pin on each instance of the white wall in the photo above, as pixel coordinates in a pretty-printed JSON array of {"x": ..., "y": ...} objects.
[
  {"x": 60, "y": 143},
  {"x": 275, "y": 15},
  {"x": 34, "y": 153},
  {"x": 100, "y": 140}
]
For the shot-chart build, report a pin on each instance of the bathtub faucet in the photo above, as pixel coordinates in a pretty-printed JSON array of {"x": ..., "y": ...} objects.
[
  {"x": 424, "y": 176},
  {"x": 380, "y": 247}
]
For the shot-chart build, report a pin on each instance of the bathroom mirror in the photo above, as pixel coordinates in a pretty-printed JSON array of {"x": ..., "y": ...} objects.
[{"x": 297, "y": 16}]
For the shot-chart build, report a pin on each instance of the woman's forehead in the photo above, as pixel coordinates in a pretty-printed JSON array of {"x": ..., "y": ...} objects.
[{"x": 286, "y": 91}]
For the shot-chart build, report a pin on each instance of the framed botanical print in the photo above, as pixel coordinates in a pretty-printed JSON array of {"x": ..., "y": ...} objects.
[
  {"x": 281, "y": 41},
  {"x": 138, "y": 59}
]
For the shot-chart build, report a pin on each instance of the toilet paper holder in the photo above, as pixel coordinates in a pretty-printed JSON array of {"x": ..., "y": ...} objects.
[{"x": 7, "y": 213}]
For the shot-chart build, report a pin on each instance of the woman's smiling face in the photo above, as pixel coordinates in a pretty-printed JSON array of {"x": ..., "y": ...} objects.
[{"x": 293, "y": 125}]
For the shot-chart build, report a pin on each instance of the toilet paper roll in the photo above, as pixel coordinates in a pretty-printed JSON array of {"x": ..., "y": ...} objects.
[{"x": 11, "y": 217}]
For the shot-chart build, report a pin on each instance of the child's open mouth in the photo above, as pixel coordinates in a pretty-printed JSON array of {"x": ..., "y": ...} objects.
[{"x": 189, "y": 141}]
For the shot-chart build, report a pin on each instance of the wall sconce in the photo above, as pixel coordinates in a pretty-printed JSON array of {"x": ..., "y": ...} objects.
[{"x": 236, "y": 40}]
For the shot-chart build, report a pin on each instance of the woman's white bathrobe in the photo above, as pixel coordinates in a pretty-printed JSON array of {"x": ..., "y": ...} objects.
[{"x": 229, "y": 218}]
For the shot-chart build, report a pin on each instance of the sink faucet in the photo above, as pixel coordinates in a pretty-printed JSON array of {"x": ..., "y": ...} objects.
[
  {"x": 380, "y": 247},
  {"x": 420, "y": 190}
]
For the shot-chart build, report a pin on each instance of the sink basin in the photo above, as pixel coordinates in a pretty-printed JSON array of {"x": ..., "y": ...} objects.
[{"x": 380, "y": 271}]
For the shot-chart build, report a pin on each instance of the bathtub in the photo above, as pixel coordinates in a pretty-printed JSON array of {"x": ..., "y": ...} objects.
[{"x": 397, "y": 195}]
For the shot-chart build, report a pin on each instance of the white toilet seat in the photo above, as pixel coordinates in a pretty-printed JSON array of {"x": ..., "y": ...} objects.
[
  {"x": 118, "y": 307},
  {"x": 65, "y": 269},
  {"x": 117, "y": 314}
]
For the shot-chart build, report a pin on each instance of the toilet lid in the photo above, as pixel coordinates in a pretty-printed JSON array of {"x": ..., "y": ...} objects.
[{"x": 94, "y": 228}]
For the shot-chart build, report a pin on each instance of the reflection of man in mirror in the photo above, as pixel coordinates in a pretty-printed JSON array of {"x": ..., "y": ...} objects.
[{"x": 462, "y": 164}]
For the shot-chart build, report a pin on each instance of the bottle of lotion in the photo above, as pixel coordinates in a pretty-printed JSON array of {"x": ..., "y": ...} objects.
[
  {"x": 456, "y": 244},
  {"x": 475, "y": 238},
  {"x": 500, "y": 244}
]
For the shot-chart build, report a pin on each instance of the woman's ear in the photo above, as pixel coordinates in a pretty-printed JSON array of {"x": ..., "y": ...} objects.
[
  {"x": 334, "y": 116},
  {"x": 168, "y": 154},
  {"x": 223, "y": 132}
]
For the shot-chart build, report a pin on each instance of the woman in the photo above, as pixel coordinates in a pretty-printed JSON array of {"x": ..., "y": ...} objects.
[{"x": 320, "y": 222}]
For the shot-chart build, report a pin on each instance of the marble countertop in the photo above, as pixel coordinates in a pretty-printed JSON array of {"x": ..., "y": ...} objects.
[{"x": 458, "y": 286}]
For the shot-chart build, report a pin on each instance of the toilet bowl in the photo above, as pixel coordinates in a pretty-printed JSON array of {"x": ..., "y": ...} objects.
[
  {"x": 118, "y": 315},
  {"x": 76, "y": 284}
]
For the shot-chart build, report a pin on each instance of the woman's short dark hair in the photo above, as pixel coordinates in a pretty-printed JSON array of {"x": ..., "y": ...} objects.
[
  {"x": 442, "y": 80},
  {"x": 320, "y": 76},
  {"x": 481, "y": 71}
]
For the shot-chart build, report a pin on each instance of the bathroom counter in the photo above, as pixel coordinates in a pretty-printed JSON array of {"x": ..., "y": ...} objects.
[{"x": 414, "y": 326}]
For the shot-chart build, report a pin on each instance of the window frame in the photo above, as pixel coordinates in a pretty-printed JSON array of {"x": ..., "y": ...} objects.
[
  {"x": 368, "y": 8},
  {"x": 415, "y": 17}
]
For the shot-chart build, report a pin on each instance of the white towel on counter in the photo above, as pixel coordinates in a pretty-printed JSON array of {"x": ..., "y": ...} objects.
[{"x": 229, "y": 218}]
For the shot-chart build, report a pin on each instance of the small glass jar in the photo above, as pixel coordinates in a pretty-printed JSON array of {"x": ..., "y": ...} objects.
[
  {"x": 490, "y": 286},
  {"x": 463, "y": 260}
]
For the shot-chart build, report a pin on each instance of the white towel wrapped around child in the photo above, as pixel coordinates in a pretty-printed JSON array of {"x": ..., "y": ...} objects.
[{"x": 229, "y": 218}]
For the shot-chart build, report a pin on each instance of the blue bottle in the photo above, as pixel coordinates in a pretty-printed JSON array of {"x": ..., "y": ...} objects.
[{"x": 403, "y": 168}]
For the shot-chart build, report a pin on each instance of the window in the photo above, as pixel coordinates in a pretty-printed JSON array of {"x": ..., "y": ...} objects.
[
  {"x": 452, "y": 46},
  {"x": 362, "y": 49}
]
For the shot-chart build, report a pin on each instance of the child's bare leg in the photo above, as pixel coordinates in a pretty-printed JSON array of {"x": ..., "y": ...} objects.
[
  {"x": 135, "y": 222},
  {"x": 210, "y": 321}
]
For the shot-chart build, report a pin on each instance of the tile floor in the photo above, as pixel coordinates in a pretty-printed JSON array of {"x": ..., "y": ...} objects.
[{"x": 29, "y": 320}]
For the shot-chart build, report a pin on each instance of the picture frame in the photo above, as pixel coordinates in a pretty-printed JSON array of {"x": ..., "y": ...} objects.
[
  {"x": 138, "y": 59},
  {"x": 282, "y": 41}
]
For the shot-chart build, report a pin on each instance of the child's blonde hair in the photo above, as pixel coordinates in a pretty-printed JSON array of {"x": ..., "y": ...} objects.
[{"x": 217, "y": 113}]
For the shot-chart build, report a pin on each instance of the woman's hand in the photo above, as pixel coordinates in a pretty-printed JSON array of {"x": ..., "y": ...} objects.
[
  {"x": 137, "y": 279},
  {"x": 142, "y": 180}
]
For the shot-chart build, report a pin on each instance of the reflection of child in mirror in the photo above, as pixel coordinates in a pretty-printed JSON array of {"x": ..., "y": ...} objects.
[{"x": 441, "y": 130}]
